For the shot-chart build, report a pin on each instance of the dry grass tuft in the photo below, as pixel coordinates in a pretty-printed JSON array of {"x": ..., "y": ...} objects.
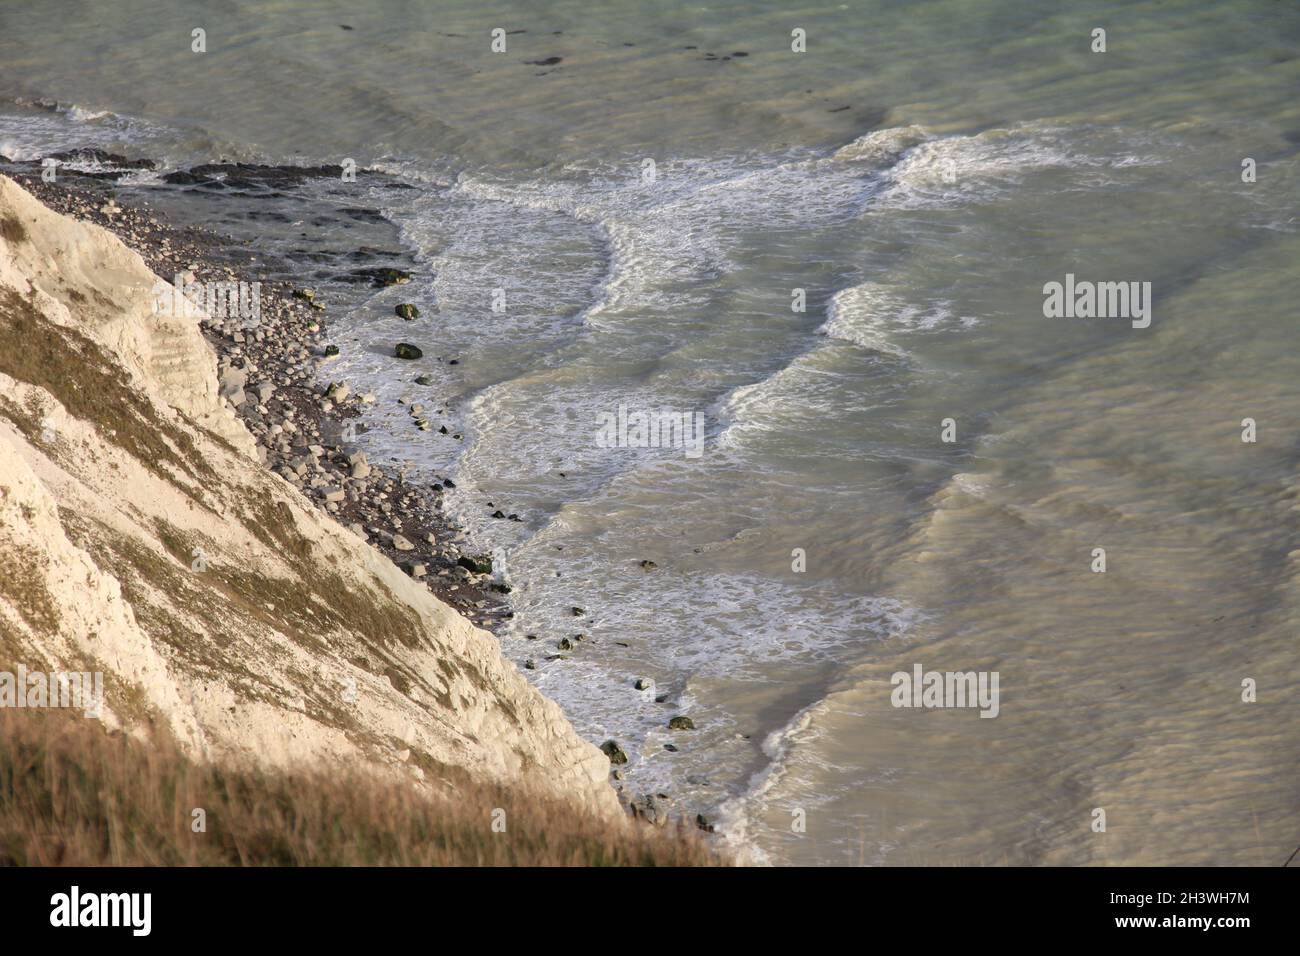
[
  {"x": 73, "y": 795},
  {"x": 12, "y": 231}
]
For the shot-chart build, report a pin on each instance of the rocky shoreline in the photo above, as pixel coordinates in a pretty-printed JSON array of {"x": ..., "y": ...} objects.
[{"x": 275, "y": 377}]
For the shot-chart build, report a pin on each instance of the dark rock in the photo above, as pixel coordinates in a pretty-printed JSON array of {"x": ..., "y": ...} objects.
[
  {"x": 362, "y": 214},
  {"x": 407, "y": 311},
  {"x": 643, "y": 683},
  {"x": 565, "y": 644},
  {"x": 366, "y": 253},
  {"x": 578, "y": 612},
  {"x": 649, "y": 565},
  {"x": 671, "y": 748},
  {"x": 423, "y": 380},
  {"x": 703, "y": 823},
  {"x": 681, "y": 723},
  {"x": 331, "y": 350},
  {"x": 256, "y": 175},
  {"x": 383, "y": 276},
  {"x": 87, "y": 155},
  {"x": 652, "y": 808},
  {"x": 549, "y": 61},
  {"x": 184, "y": 178},
  {"x": 404, "y": 350},
  {"x": 479, "y": 565},
  {"x": 614, "y": 752}
]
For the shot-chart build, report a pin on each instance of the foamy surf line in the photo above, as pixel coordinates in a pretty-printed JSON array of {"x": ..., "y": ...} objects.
[{"x": 736, "y": 815}]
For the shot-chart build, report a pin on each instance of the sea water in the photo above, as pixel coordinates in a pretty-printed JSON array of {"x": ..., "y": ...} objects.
[{"x": 838, "y": 260}]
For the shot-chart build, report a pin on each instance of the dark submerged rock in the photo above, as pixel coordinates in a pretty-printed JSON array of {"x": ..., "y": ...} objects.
[
  {"x": 614, "y": 752},
  {"x": 185, "y": 178},
  {"x": 381, "y": 276}
]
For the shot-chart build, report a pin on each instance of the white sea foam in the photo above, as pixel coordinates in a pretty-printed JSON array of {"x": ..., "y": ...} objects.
[
  {"x": 741, "y": 628},
  {"x": 955, "y": 170},
  {"x": 879, "y": 316},
  {"x": 737, "y": 814},
  {"x": 33, "y": 129},
  {"x": 883, "y": 146}
]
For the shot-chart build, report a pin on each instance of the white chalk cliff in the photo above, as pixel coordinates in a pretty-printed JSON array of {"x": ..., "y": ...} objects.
[{"x": 291, "y": 640}]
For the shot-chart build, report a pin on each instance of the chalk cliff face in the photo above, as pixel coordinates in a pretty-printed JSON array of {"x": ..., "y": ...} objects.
[{"x": 140, "y": 537}]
